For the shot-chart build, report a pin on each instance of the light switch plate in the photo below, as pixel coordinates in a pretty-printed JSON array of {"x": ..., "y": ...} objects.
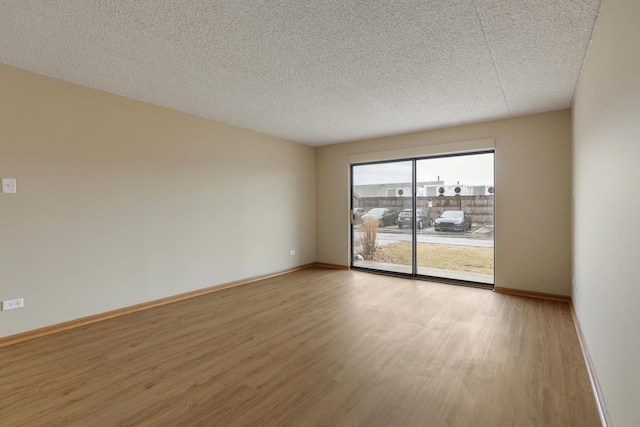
[{"x": 8, "y": 185}]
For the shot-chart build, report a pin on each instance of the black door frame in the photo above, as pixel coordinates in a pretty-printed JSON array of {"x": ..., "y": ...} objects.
[{"x": 414, "y": 243}]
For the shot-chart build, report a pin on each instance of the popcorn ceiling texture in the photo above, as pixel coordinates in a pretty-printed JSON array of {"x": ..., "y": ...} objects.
[{"x": 316, "y": 72}]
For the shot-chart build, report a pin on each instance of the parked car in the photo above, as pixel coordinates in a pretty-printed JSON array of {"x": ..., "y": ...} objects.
[
  {"x": 357, "y": 215},
  {"x": 453, "y": 221},
  {"x": 423, "y": 218},
  {"x": 386, "y": 216}
]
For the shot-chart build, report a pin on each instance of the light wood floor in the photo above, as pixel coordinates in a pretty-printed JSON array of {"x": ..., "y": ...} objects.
[{"x": 316, "y": 347}]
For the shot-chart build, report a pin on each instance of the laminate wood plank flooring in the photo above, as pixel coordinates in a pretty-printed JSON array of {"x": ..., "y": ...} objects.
[{"x": 311, "y": 348}]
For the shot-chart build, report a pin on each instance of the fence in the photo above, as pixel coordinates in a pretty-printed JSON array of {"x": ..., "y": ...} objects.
[{"x": 479, "y": 208}]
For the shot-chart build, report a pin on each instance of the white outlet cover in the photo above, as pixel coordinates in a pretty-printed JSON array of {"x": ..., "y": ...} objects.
[
  {"x": 12, "y": 304},
  {"x": 8, "y": 185}
]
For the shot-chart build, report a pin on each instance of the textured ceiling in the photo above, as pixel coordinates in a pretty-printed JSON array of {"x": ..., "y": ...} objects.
[{"x": 316, "y": 72}]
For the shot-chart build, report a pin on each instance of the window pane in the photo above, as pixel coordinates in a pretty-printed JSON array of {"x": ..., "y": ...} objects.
[{"x": 382, "y": 239}]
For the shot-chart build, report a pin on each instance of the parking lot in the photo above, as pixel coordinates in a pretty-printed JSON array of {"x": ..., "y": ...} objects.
[{"x": 478, "y": 236}]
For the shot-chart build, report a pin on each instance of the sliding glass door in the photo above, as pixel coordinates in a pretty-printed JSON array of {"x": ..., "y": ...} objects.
[
  {"x": 430, "y": 217},
  {"x": 380, "y": 194},
  {"x": 458, "y": 192}
]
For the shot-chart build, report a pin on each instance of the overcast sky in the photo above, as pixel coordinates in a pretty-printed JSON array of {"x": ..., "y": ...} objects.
[{"x": 476, "y": 169}]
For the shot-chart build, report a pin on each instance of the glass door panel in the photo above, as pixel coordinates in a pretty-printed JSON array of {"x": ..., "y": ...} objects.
[
  {"x": 382, "y": 233},
  {"x": 458, "y": 194}
]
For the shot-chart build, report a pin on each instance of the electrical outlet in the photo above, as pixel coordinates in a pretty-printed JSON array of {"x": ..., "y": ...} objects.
[
  {"x": 12, "y": 304},
  {"x": 292, "y": 252},
  {"x": 8, "y": 185}
]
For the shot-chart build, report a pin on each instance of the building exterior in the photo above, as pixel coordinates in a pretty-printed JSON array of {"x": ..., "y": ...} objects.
[{"x": 424, "y": 189}]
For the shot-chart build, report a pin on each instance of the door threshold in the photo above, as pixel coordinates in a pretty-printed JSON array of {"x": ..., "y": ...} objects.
[{"x": 426, "y": 278}]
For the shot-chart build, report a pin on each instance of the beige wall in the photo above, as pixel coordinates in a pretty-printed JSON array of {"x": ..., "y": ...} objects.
[
  {"x": 533, "y": 196},
  {"x": 121, "y": 202},
  {"x": 607, "y": 207}
]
